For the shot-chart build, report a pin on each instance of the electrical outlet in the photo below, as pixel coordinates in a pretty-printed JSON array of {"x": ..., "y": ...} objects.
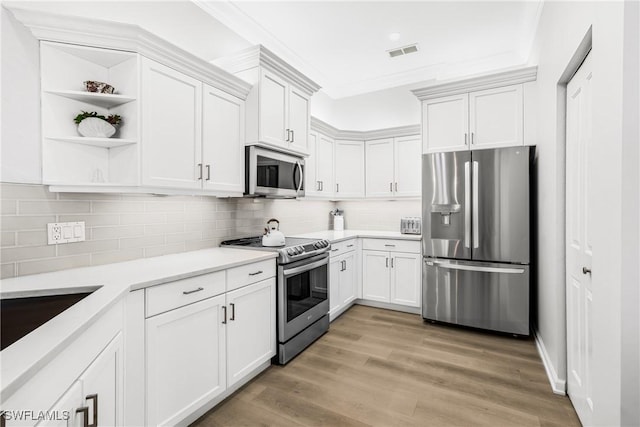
[{"x": 65, "y": 232}]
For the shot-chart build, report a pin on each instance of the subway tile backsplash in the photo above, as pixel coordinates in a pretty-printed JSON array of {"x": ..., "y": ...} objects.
[
  {"x": 126, "y": 227},
  {"x": 123, "y": 227}
]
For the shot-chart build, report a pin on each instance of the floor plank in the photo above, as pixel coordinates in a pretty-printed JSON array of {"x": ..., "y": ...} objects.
[{"x": 385, "y": 368}]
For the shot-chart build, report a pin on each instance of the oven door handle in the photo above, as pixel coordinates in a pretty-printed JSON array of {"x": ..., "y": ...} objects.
[{"x": 304, "y": 268}]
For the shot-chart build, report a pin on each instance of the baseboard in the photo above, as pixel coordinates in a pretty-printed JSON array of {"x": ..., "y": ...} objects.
[
  {"x": 557, "y": 385},
  {"x": 388, "y": 306}
]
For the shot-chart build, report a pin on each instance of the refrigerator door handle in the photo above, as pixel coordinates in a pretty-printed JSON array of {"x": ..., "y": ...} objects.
[
  {"x": 451, "y": 266},
  {"x": 476, "y": 232},
  {"x": 467, "y": 204}
]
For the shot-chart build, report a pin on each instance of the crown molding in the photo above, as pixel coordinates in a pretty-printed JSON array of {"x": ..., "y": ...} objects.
[
  {"x": 335, "y": 133},
  {"x": 489, "y": 81},
  {"x": 131, "y": 38},
  {"x": 260, "y": 56}
]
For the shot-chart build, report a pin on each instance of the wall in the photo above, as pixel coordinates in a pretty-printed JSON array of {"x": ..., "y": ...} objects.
[
  {"x": 562, "y": 28},
  {"x": 378, "y": 214},
  {"x": 125, "y": 227}
]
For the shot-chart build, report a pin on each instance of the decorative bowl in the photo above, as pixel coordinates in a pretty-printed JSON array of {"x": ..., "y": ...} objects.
[
  {"x": 94, "y": 127},
  {"x": 99, "y": 87}
]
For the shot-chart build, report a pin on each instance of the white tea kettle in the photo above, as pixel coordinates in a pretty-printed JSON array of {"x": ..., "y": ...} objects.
[{"x": 273, "y": 236}]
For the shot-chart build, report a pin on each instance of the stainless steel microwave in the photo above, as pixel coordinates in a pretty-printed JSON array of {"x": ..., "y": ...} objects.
[{"x": 273, "y": 174}]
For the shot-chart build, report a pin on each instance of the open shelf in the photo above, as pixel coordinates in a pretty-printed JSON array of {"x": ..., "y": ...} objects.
[
  {"x": 100, "y": 99},
  {"x": 95, "y": 142}
]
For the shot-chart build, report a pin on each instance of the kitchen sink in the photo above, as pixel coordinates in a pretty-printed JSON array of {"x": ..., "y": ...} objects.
[{"x": 19, "y": 316}]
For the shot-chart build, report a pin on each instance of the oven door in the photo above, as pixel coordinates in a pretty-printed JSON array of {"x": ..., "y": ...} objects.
[
  {"x": 273, "y": 174},
  {"x": 303, "y": 295}
]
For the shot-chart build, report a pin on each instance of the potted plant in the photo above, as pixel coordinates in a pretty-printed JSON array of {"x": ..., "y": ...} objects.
[{"x": 91, "y": 124}]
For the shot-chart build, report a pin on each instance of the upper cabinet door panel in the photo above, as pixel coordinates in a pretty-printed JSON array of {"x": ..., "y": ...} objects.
[
  {"x": 379, "y": 167},
  {"x": 273, "y": 109},
  {"x": 408, "y": 163},
  {"x": 171, "y": 127},
  {"x": 324, "y": 165},
  {"x": 223, "y": 141},
  {"x": 445, "y": 123},
  {"x": 349, "y": 163},
  {"x": 298, "y": 120},
  {"x": 496, "y": 117}
]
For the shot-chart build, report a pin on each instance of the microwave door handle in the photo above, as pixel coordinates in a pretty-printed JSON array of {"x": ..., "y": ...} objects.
[{"x": 301, "y": 177}]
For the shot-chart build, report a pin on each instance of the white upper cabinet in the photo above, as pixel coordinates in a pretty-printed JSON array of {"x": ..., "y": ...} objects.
[
  {"x": 171, "y": 127},
  {"x": 319, "y": 166},
  {"x": 445, "y": 123},
  {"x": 222, "y": 141},
  {"x": 299, "y": 110},
  {"x": 480, "y": 112},
  {"x": 393, "y": 167},
  {"x": 168, "y": 101},
  {"x": 407, "y": 166},
  {"x": 496, "y": 117},
  {"x": 274, "y": 95},
  {"x": 349, "y": 169},
  {"x": 192, "y": 133},
  {"x": 278, "y": 106},
  {"x": 379, "y": 173}
]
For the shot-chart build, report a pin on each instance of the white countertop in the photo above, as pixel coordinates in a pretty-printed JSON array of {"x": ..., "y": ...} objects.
[
  {"x": 23, "y": 358},
  {"x": 337, "y": 236}
]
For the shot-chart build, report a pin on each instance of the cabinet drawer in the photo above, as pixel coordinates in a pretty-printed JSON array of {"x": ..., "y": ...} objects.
[
  {"x": 176, "y": 294},
  {"x": 411, "y": 246},
  {"x": 250, "y": 273},
  {"x": 342, "y": 247}
]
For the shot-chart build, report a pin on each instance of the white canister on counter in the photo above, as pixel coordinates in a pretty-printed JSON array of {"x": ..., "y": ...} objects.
[{"x": 338, "y": 220}]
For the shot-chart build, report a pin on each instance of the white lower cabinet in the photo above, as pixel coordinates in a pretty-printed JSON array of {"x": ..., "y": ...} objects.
[
  {"x": 343, "y": 279},
  {"x": 391, "y": 277},
  {"x": 251, "y": 328},
  {"x": 96, "y": 397},
  {"x": 185, "y": 360},
  {"x": 198, "y": 351}
]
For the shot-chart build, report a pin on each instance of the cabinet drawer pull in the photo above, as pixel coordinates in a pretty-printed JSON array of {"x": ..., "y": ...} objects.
[
  {"x": 349, "y": 246},
  {"x": 288, "y": 137},
  {"x": 387, "y": 262},
  {"x": 85, "y": 415},
  {"x": 396, "y": 187},
  {"x": 200, "y": 166},
  {"x": 208, "y": 172},
  {"x": 390, "y": 246},
  {"x": 391, "y": 262},
  {"x": 191, "y": 292},
  {"x": 224, "y": 317},
  {"x": 94, "y": 397},
  {"x": 472, "y": 139},
  {"x": 233, "y": 311},
  {"x": 465, "y": 138},
  {"x": 334, "y": 250},
  {"x": 337, "y": 188},
  {"x": 293, "y": 136},
  {"x": 256, "y": 273},
  {"x": 391, "y": 187}
]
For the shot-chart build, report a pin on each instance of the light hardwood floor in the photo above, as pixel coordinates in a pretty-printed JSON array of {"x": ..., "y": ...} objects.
[{"x": 386, "y": 368}]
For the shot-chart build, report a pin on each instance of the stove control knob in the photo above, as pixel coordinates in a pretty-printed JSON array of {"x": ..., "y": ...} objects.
[
  {"x": 324, "y": 243},
  {"x": 299, "y": 249},
  {"x": 290, "y": 251}
]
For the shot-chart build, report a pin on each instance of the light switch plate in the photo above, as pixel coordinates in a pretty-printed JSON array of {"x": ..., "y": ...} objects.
[{"x": 65, "y": 232}]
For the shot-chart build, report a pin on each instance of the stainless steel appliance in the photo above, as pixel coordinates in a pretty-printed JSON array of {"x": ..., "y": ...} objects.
[
  {"x": 475, "y": 238},
  {"x": 273, "y": 174},
  {"x": 302, "y": 291},
  {"x": 410, "y": 225}
]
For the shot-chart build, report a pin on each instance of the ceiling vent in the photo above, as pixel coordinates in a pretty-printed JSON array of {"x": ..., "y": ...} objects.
[{"x": 405, "y": 50}]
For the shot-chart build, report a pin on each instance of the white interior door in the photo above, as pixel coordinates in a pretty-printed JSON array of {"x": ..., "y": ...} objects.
[{"x": 579, "y": 247}]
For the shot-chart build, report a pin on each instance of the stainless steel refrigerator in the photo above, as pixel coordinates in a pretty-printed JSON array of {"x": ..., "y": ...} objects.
[{"x": 475, "y": 241}]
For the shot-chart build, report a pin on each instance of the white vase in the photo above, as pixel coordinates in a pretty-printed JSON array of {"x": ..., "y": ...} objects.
[{"x": 94, "y": 127}]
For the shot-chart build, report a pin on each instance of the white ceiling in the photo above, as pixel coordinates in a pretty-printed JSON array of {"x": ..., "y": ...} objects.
[{"x": 342, "y": 45}]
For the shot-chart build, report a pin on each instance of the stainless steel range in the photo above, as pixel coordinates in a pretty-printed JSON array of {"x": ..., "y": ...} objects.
[{"x": 302, "y": 291}]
